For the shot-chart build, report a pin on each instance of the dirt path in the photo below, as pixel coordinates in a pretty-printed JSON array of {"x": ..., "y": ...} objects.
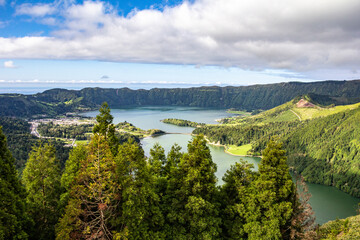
[{"x": 295, "y": 114}]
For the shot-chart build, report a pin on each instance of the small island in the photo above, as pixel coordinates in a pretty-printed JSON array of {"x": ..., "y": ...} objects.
[
  {"x": 181, "y": 122},
  {"x": 126, "y": 127}
]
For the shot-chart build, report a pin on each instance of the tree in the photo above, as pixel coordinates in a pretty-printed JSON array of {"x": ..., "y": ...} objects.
[
  {"x": 172, "y": 160},
  {"x": 12, "y": 195},
  {"x": 140, "y": 215},
  {"x": 157, "y": 160},
  {"x": 72, "y": 167},
  {"x": 193, "y": 210},
  {"x": 105, "y": 127},
  {"x": 272, "y": 199},
  {"x": 93, "y": 196},
  {"x": 41, "y": 178},
  {"x": 303, "y": 219},
  {"x": 169, "y": 192},
  {"x": 234, "y": 197}
]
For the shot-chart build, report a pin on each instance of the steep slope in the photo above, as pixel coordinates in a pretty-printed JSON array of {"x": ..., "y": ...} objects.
[{"x": 326, "y": 150}]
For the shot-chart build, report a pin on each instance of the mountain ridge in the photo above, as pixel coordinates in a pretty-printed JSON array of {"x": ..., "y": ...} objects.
[{"x": 59, "y": 101}]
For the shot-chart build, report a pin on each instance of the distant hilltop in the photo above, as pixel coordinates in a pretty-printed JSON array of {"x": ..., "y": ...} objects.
[{"x": 59, "y": 101}]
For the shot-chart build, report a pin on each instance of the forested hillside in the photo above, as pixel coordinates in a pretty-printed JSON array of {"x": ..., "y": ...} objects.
[
  {"x": 58, "y": 101},
  {"x": 20, "y": 141},
  {"x": 325, "y": 148}
]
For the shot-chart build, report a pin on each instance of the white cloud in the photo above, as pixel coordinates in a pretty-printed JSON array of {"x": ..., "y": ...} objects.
[
  {"x": 49, "y": 21},
  {"x": 35, "y": 10},
  {"x": 9, "y": 64},
  {"x": 298, "y": 35},
  {"x": 2, "y": 2}
]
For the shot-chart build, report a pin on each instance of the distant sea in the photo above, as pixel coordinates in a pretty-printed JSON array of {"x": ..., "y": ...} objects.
[{"x": 32, "y": 88}]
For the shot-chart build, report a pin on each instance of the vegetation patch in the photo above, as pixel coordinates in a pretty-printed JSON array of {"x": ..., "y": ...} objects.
[
  {"x": 238, "y": 112},
  {"x": 126, "y": 127},
  {"x": 348, "y": 228},
  {"x": 239, "y": 150},
  {"x": 181, "y": 122}
]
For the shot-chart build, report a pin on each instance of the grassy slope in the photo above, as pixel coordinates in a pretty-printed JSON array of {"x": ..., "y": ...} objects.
[
  {"x": 286, "y": 113},
  {"x": 290, "y": 112},
  {"x": 310, "y": 113},
  {"x": 239, "y": 150}
]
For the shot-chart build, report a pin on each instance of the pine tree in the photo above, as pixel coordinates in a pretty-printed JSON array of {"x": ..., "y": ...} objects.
[
  {"x": 41, "y": 178},
  {"x": 194, "y": 212},
  {"x": 106, "y": 128},
  {"x": 172, "y": 160},
  {"x": 93, "y": 196},
  {"x": 169, "y": 198},
  {"x": 157, "y": 160},
  {"x": 12, "y": 195},
  {"x": 271, "y": 207},
  {"x": 303, "y": 219},
  {"x": 77, "y": 155},
  {"x": 140, "y": 214},
  {"x": 234, "y": 198}
]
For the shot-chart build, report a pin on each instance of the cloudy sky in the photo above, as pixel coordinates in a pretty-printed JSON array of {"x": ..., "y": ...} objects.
[{"x": 238, "y": 42}]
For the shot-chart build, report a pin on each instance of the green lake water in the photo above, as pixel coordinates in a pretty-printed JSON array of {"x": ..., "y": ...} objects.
[{"x": 327, "y": 202}]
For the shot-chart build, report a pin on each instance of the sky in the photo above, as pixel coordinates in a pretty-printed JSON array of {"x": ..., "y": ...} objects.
[{"x": 232, "y": 42}]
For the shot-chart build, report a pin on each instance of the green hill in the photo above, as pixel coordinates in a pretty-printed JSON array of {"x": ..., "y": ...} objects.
[
  {"x": 324, "y": 146},
  {"x": 299, "y": 109},
  {"x": 326, "y": 150}
]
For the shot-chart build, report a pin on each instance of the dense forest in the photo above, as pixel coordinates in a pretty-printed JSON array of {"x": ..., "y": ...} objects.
[
  {"x": 20, "y": 141},
  {"x": 60, "y": 101},
  {"x": 324, "y": 150},
  {"x": 110, "y": 190}
]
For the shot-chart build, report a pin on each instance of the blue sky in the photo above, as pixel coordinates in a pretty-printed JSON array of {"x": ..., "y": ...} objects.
[{"x": 171, "y": 41}]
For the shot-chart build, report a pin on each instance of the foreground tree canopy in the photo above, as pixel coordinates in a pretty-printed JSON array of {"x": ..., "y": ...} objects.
[
  {"x": 110, "y": 190},
  {"x": 12, "y": 194}
]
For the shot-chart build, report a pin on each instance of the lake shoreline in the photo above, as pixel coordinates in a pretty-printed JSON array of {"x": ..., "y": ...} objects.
[{"x": 226, "y": 147}]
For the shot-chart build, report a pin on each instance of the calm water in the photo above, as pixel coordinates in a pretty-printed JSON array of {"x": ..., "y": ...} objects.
[{"x": 328, "y": 203}]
